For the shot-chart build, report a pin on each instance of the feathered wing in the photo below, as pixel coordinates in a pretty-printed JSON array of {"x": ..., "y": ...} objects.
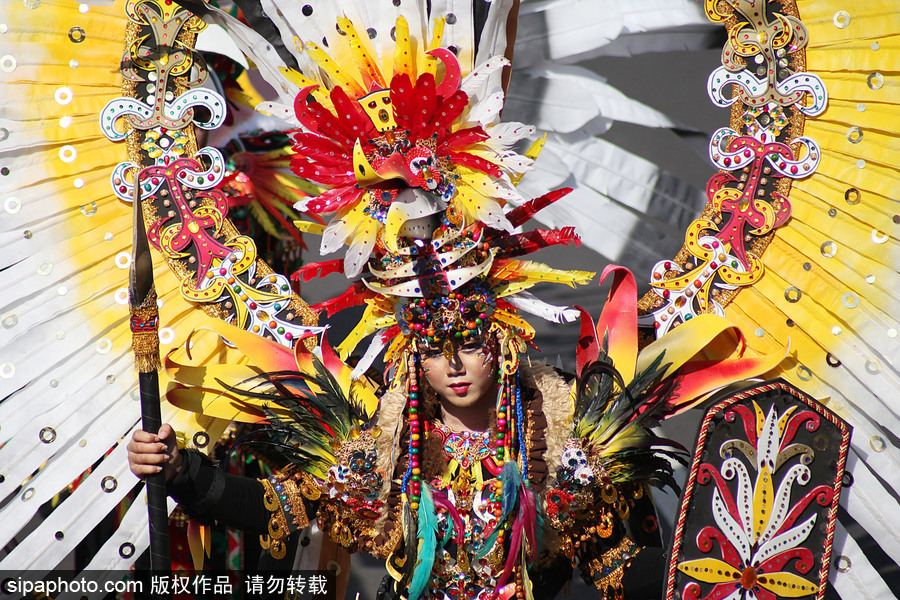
[
  {"x": 827, "y": 277},
  {"x": 67, "y": 378},
  {"x": 621, "y": 393},
  {"x": 841, "y": 253},
  {"x": 310, "y": 402}
]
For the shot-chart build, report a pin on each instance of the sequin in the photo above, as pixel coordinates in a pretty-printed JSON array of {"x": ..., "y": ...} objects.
[
  {"x": 4, "y": 134},
  {"x": 123, "y": 260},
  {"x": 873, "y": 367},
  {"x": 73, "y": 64},
  {"x": 65, "y": 122},
  {"x": 7, "y": 370},
  {"x": 77, "y": 35},
  {"x": 861, "y": 107},
  {"x": 63, "y": 96},
  {"x": 3, "y": 28},
  {"x": 67, "y": 154},
  {"x": 109, "y": 484},
  {"x": 836, "y": 330},
  {"x": 875, "y": 81},
  {"x": 44, "y": 268},
  {"x": 166, "y": 335},
  {"x": 121, "y": 296},
  {"x": 854, "y": 135},
  {"x": 870, "y": 279},
  {"x": 875, "y": 46},
  {"x": 54, "y": 383},
  {"x": 89, "y": 209},
  {"x": 10, "y": 320},
  {"x": 110, "y": 378},
  {"x": 28, "y": 494},
  {"x": 803, "y": 373},
  {"x": 829, "y": 249},
  {"x": 879, "y": 237},
  {"x": 860, "y": 164},
  {"x": 8, "y": 63},
  {"x": 62, "y": 290},
  {"x": 12, "y": 205},
  {"x": 841, "y": 19},
  {"x": 126, "y": 550},
  {"x": 760, "y": 332},
  {"x": 850, "y": 300},
  {"x": 792, "y": 294},
  {"x": 108, "y": 236},
  {"x": 852, "y": 196},
  {"x": 47, "y": 435},
  {"x": 877, "y": 442},
  {"x": 843, "y": 563}
]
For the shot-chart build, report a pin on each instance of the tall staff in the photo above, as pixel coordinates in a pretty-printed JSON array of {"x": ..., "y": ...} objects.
[{"x": 145, "y": 343}]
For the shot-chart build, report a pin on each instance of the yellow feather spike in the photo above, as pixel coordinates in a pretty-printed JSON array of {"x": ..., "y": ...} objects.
[
  {"x": 367, "y": 66},
  {"x": 431, "y": 63},
  {"x": 404, "y": 62},
  {"x": 302, "y": 81},
  {"x": 310, "y": 227},
  {"x": 533, "y": 151},
  {"x": 475, "y": 206},
  {"x": 299, "y": 79},
  {"x": 364, "y": 328},
  {"x": 395, "y": 348},
  {"x": 337, "y": 75},
  {"x": 264, "y": 218},
  {"x": 507, "y": 318},
  {"x": 370, "y": 322},
  {"x": 518, "y": 270},
  {"x": 248, "y": 96},
  {"x": 286, "y": 186}
]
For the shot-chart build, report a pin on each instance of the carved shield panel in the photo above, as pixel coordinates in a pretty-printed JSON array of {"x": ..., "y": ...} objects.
[{"x": 758, "y": 513}]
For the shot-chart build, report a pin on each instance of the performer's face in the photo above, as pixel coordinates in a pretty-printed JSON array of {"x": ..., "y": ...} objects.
[{"x": 467, "y": 378}]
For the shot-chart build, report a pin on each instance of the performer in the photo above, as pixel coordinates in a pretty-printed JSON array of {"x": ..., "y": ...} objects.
[
  {"x": 476, "y": 473},
  {"x": 795, "y": 244}
]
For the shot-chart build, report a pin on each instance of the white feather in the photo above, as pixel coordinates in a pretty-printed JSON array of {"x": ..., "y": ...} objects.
[
  {"x": 527, "y": 302},
  {"x": 372, "y": 352},
  {"x": 481, "y": 80}
]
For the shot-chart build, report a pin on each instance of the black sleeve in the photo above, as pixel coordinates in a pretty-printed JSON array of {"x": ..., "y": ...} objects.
[{"x": 209, "y": 495}]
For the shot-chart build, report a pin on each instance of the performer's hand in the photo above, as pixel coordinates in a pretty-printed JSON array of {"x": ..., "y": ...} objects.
[{"x": 149, "y": 454}]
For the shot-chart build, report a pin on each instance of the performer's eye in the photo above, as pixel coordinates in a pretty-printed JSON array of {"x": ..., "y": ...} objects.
[
  {"x": 430, "y": 353},
  {"x": 472, "y": 347}
]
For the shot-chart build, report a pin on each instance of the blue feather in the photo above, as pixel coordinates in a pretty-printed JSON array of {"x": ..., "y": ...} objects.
[
  {"x": 428, "y": 530},
  {"x": 511, "y": 480}
]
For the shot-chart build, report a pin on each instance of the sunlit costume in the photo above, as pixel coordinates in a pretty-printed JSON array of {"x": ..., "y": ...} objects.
[{"x": 398, "y": 139}]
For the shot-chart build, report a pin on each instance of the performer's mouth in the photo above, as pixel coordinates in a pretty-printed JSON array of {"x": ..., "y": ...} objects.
[{"x": 460, "y": 388}]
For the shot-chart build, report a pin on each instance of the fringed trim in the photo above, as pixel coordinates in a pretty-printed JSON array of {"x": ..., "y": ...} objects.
[
  {"x": 556, "y": 406},
  {"x": 608, "y": 569},
  {"x": 144, "y": 334}
]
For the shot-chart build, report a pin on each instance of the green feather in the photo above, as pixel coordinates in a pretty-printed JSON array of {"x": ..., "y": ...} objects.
[{"x": 428, "y": 530}]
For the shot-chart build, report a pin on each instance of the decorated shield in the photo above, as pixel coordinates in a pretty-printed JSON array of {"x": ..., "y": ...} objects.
[{"x": 758, "y": 513}]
